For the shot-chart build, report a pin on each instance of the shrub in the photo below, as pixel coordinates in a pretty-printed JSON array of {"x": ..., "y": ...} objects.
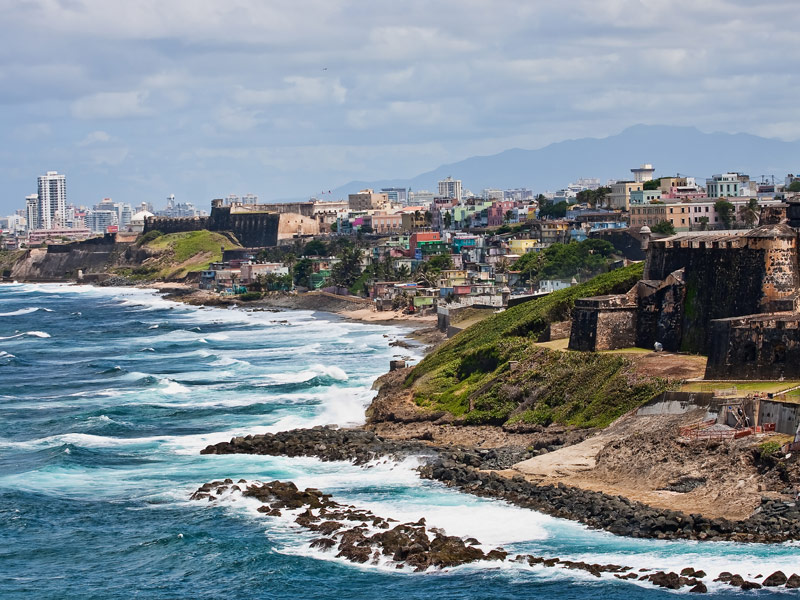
[
  {"x": 148, "y": 237},
  {"x": 769, "y": 447},
  {"x": 250, "y": 296}
]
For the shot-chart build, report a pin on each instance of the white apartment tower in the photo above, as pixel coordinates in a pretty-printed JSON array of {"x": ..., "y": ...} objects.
[
  {"x": 450, "y": 188},
  {"x": 52, "y": 203},
  {"x": 32, "y": 211}
]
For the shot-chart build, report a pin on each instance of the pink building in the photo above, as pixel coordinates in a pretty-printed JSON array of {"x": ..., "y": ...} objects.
[{"x": 496, "y": 212}]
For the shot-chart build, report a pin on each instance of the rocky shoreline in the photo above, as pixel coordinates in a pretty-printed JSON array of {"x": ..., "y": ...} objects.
[
  {"x": 480, "y": 472},
  {"x": 359, "y": 536}
]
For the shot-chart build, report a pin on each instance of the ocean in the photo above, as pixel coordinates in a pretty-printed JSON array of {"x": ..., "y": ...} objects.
[{"x": 108, "y": 394}]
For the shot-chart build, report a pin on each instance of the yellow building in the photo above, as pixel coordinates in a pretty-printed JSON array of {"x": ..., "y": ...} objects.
[
  {"x": 620, "y": 196},
  {"x": 522, "y": 246}
]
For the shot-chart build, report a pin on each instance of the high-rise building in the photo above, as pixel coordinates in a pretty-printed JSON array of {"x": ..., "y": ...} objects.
[
  {"x": 450, "y": 188},
  {"x": 32, "y": 211},
  {"x": 52, "y": 200}
]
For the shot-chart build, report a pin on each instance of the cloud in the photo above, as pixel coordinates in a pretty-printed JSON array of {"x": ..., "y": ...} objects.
[
  {"x": 298, "y": 90},
  {"x": 111, "y": 105},
  {"x": 95, "y": 137},
  {"x": 452, "y": 77}
]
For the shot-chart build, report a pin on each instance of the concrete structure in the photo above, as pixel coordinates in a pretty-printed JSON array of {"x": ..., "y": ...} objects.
[
  {"x": 52, "y": 201},
  {"x": 368, "y": 200},
  {"x": 723, "y": 186},
  {"x": 620, "y": 196},
  {"x": 450, "y": 188},
  {"x": 643, "y": 173},
  {"x": 644, "y": 196},
  {"x": 32, "y": 211}
]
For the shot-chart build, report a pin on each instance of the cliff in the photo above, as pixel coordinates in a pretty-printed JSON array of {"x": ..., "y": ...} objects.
[
  {"x": 473, "y": 376},
  {"x": 167, "y": 257}
]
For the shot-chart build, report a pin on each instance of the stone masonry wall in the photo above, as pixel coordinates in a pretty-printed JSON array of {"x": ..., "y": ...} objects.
[{"x": 757, "y": 347}]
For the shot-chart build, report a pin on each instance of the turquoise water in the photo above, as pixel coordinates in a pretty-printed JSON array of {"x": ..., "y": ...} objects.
[{"x": 106, "y": 397}]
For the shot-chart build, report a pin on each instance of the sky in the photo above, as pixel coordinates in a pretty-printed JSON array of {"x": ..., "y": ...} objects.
[{"x": 140, "y": 99}]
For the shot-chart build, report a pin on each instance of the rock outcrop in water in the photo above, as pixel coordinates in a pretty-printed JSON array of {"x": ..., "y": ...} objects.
[
  {"x": 472, "y": 471},
  {"x": 355, "y": 534},
  {"x": 360, "y": 536}
]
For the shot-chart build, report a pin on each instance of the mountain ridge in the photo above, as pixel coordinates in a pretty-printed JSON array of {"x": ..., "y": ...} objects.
[{"x": 671, "y": 150}]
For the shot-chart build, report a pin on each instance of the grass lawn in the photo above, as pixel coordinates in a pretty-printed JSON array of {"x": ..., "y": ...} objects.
[{"x": 772, "y": 387}]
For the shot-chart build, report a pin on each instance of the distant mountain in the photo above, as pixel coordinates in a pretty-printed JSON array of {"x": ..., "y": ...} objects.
[{"x": 671, "y": 150}]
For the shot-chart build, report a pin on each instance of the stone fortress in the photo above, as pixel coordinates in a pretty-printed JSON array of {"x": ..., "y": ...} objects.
[
  {"x": 731, "y": 295},
  {"x": 255, "y": 225}
]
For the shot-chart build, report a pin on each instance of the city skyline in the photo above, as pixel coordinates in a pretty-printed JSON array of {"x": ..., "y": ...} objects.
[{"x": 204, "y": 101}]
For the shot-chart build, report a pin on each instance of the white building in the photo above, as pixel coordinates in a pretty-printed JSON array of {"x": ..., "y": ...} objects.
[
  {"x": 421, "y": 198},
  {"x": 450, "y": 188},
  {"x": 643, "y": 173},
  {"x": 32, "y": 211},
  {"x": 52, "y": 200},
  {"x": 723, "y": 186}
]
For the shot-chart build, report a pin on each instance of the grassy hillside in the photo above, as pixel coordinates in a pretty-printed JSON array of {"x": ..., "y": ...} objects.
[
  {"x": 176, "y": 254},
  {"x": 469, "y": 375}
]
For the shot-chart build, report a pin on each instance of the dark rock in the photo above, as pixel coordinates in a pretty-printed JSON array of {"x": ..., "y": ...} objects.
[
  {"x": 699, "y": 588},
  {"x": 793, "y": 582},
  {"x": 750, "y": 585},
  {"x": 776, "y": 579}
]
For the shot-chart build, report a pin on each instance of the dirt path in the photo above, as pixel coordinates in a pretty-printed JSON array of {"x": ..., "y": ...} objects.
[{"x": 564, "y": 463}]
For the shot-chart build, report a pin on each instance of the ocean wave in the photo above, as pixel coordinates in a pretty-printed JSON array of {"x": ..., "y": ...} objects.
[
  {"x": 314, "y": 371},
  {"x": 170, "y": 387},
  {"x": 38, "y": 334},
  {"x": 21, "y": 311}
]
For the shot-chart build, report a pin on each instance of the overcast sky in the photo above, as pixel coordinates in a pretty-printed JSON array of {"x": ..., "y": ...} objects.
[{"x": 201, "y": 98}]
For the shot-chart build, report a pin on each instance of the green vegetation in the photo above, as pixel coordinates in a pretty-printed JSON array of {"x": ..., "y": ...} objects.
[
  {"x": 148, "y": 237},
  {"x": 665, "y": 227},
  {"x": 726, "y": 212},
  {"x": 552, "y": 210},
  {"x": 768, "y": 447},
  {"x": 794, "y": 187},
  {"x": 653, "y": 184},
  {"x": 770, "y": 387},
  {"x": 594, "y": 197},
  {"x": 469, "y": 375},
  {"x": 180, "y": 253},
  {"x": 250, "y": 296},
  {"x": 561, "y": 261}
]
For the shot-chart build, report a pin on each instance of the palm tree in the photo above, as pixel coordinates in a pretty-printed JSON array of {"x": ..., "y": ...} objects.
[
  {"x": 751, "y": 212},
  {"x": 403, "y": 272},
  {"x": 426, "y": 275}
]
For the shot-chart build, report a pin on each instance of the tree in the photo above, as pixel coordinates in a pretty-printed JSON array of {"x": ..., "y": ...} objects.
[
  {"x": 593, "y": 197},
  {"x": 315, "y": 248},
  {"x": 725, "y": 210},
  {"x": 448, "y": 220},
  {"x": 553, "y": 211},
  {"x": 302, "y": 270},
  {"x": 508, "y": 216},
  {"x": 703, "y": 223},
  {"x": 441, "y": 262},
  {"x": 653, "y": 184},
  {"x": 751, "y": 212},
  {"x": 426, "y": 275},
  {"x": 665, "y": 227},
  {"x": 348, "y": 269},
  {"x": 403, "y": 273},
  {"x": 794, "y": 187}
]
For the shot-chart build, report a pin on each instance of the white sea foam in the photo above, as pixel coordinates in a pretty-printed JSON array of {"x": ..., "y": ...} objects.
[
  {"x": 309, "y": 374},
  {"x": 169, "y": 386},
  {"x": 21, "y": 311},
  {"x": 4, "y": 354},
  {"x": 38, "y": 334}
]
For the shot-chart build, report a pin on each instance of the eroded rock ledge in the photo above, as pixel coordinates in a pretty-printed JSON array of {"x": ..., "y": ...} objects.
[
  {"x": 471, "y": 471},
  {"x": 360, "y": 536}
]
